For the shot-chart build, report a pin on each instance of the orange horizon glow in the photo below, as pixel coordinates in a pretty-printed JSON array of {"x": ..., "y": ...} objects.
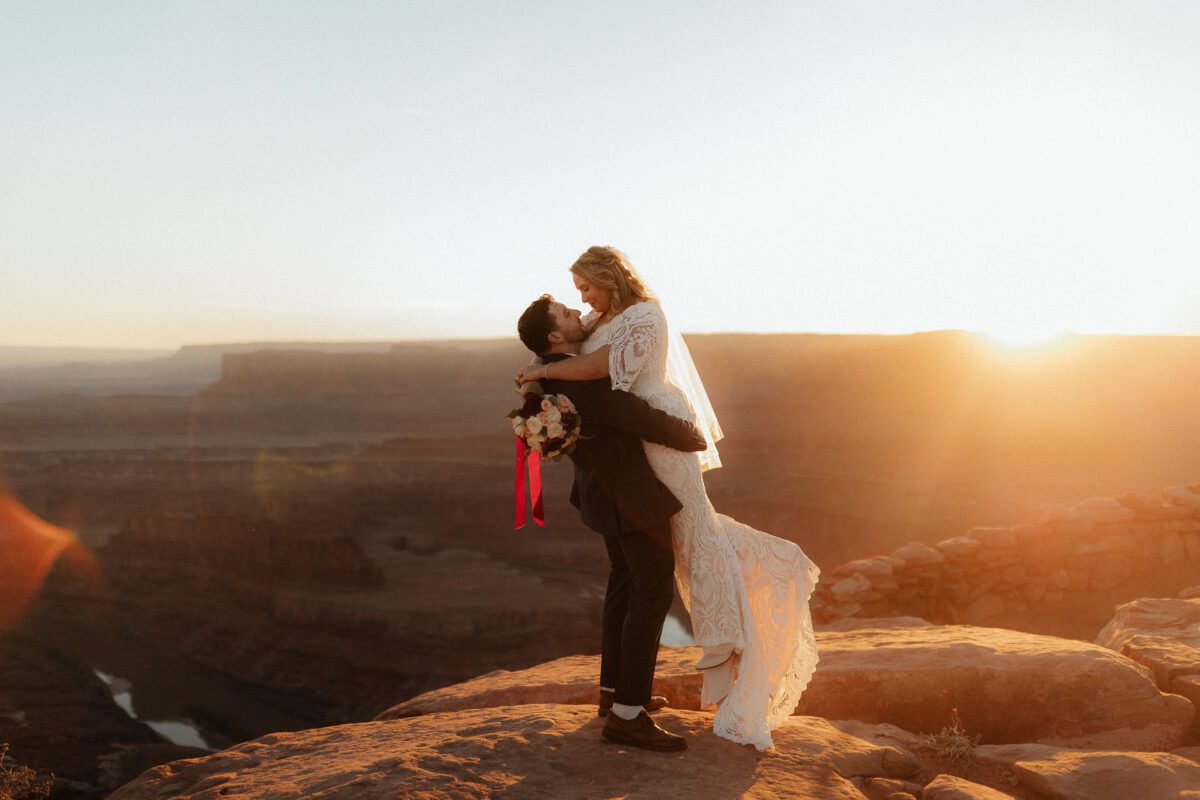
[{"x": 1014, "y": 337}]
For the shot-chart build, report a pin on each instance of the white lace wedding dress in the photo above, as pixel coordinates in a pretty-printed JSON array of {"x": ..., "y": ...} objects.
[{"x": 741, "y": 586}]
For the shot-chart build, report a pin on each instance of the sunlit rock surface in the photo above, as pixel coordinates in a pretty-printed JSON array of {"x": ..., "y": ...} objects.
[
  {"x": 1007, "y": 687},
  {"x": 950, "y": 787},
  {"x": 547, "y": 750},
  {"x": 1111, "y": 776},
  {"x": 529, "y": 751},
  {"x": 1164, "y": 635}
]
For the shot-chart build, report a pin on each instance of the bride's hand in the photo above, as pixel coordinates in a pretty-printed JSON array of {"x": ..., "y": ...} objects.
[{"x": 531, "y": 372}]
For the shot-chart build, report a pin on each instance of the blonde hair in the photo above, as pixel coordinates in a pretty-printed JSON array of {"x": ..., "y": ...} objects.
[{"x": 609, "y": 268}]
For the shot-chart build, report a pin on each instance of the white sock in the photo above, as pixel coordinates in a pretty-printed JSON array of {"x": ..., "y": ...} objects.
[
  {"x": 606, "y": 689},
  {"x": 626, "y": 712}
]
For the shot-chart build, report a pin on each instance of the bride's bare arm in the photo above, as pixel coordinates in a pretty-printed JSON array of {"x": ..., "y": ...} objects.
[{"x": 580, "y": 368}]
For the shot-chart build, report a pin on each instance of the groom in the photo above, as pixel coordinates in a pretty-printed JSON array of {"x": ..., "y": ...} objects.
[{"x": 619, "y": 497}]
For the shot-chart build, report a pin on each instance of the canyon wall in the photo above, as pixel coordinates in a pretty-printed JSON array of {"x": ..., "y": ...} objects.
[{"x": 1061, "y": 574}]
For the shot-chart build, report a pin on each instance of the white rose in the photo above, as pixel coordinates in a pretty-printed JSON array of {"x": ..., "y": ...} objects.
[
  {"x": 535, "y": 442},
  {"x": 551, "y": 416},
  {"x": 564, "y": 403},
  {"x": 547, "y": 404},
  {"x": 554, "y": 430},
  {"x": 518, "y": 426},
  {"x": 533, "y": 425}
]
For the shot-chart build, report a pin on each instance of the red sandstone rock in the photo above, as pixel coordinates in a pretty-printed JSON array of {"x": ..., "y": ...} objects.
[
  {"x": 949, "y": 787},
  {"x": 1164, "y": 635},
  {"x": 859, "y": 623},
  {"x": 1102, "y": 509},
  {"x": 1111, "y": 776},
  {"x": 1182, "y": 498},
  {"x": 889, "y": 789},
  {"x": 877, "y": 567},
  {"x": 529, "y": 751},
  {"x": 917, "y": 554},
  {"x": 1192, "y": 753},
  {"x": 959, "y": 547},
  {"x": 1055, "y": 773},
  {"x": 571, "y": 680},
  {"x": 1007, "y": 687}
]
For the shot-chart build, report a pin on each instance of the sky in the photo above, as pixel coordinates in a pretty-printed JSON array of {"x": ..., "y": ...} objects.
[{"x": 194, "y": 172}]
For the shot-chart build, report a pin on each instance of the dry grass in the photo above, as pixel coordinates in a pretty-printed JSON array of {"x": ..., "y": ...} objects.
[
  {"x": 951, "y": 744},
  {"x": 19, "y": 782}
]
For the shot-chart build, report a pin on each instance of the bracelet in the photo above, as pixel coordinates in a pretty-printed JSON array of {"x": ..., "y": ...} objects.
[{"x": 546, "y": 372}]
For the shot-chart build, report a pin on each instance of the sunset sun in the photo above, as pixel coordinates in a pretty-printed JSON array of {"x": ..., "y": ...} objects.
[{"x": 1024, "y": 337}]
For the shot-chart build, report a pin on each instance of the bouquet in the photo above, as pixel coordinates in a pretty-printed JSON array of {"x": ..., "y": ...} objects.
[{"x": 548, "y": 424}]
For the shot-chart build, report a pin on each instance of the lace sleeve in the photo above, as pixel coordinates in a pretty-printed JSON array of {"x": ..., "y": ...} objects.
[{"x": 632, "y": 336}]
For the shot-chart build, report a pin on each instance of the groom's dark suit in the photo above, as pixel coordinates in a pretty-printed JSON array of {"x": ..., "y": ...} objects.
[{"x": 619, "y": 496}]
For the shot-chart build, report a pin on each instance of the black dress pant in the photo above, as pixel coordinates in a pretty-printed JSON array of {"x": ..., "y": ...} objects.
[{"x": 640, "y": 590}]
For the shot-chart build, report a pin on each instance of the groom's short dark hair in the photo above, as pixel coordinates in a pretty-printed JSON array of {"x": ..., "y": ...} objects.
[{"x": 536, "y": 324}]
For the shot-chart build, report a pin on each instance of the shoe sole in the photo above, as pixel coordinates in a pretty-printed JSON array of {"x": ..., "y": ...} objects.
[{"x": 666, "y": 748}]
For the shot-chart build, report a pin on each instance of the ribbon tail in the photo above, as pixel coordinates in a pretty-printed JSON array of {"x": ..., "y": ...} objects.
[
  {"x": 535, "y": 487},
  {"x": 520, "y": 486}
]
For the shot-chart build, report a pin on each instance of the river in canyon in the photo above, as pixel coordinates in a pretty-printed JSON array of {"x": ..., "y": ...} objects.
[{"x": 182, "y": 702}]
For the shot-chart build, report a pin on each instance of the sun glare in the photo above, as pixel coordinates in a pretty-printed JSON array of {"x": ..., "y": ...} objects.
[{"x": 1024, "y": 338}]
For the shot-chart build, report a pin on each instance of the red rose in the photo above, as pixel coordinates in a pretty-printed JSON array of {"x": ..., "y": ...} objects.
[{"x": 531, "y": 406}]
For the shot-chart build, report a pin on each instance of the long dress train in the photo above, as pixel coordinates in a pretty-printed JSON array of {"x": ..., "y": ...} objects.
[{"x": 744, "y": 589}]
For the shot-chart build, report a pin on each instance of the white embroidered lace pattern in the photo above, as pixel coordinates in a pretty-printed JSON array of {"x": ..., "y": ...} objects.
[{"x": 740, "y": 585}]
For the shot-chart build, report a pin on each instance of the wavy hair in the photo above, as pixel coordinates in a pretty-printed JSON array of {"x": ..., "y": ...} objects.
[{"x": 609, "y": 268}]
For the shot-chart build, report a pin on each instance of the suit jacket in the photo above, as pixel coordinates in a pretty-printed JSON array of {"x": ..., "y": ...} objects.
[{"x": 615, "y": 489}]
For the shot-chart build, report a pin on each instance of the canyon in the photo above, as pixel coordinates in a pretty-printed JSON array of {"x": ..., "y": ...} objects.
[{"x": 325, "y": 533}]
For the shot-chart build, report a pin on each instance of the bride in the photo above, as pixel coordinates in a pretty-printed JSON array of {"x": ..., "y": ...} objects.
[{"x": 747, "y": 591}]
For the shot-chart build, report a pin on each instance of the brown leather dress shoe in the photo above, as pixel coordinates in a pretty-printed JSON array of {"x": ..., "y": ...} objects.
[
  {"x": 641, "y": 731},
  {"x": 656, "y": 703}
]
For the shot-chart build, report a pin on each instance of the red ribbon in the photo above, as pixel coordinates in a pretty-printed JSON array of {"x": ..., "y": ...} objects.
[{"x": 535, "y": 485}]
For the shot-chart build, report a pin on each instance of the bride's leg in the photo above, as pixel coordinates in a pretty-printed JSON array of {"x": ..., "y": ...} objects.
[
  {"x": 746, "y": 588},
  {"x": 706, "y": 565}
]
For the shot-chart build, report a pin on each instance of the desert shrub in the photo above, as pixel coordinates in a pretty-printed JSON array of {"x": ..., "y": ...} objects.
[
  {"x": 18, "y": 782},
  {"x": 951, "y": 744}
]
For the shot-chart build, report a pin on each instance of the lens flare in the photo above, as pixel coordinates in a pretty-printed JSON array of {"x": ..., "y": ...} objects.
[
  {"x": 29, "y": 549},
  {"x": 281, "y": 482}
]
